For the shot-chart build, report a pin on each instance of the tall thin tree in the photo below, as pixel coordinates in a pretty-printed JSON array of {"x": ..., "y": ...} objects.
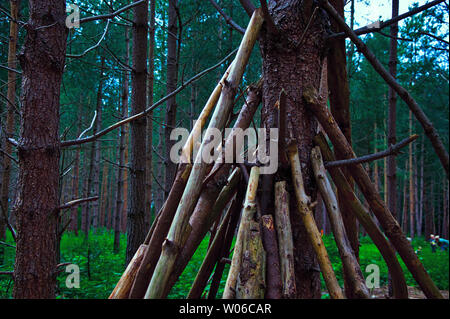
[{"x": 136, "y": 210}]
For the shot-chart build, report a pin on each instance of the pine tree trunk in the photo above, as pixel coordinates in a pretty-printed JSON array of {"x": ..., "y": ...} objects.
[
  {"x": 149, "y": 151},
  {"x": 286, "y": 67},
  {"x": 171, "y": 85},
  {"x": 9, "y": 129},
  {"x": 136, "y": 210},
  {"x": 37, "y": 202},
  {"x": 411, "y": 182},
  {"x": 95, "y": 191}
]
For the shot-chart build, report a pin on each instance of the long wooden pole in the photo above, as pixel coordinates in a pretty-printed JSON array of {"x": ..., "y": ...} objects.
[
  {"x": 352, "y": 270},
  {"x": 247, "y": 215},
  {"x": 305, "y": 212}
]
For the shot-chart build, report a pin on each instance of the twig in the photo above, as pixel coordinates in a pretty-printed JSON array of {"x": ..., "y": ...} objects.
[
  {"x": 77, "y": 202},
  {"x": 8, "y": 224},
  {"x": 76, "y": 56},
  {"x": 11, "y": 157},
  {"x": 90, "y": 127},
  {"x": 392, "y": 149},
  {"x": 6, "y": 244}
]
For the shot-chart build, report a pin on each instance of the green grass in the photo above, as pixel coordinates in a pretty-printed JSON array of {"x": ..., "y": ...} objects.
[{"x": 107, "y": 267}]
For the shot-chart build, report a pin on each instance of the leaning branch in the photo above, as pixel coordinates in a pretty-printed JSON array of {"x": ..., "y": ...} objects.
[
  {"x": 149, "y": 109},
  {"x": 393, "y": 149},
  {"x": 428, "y": 127}
]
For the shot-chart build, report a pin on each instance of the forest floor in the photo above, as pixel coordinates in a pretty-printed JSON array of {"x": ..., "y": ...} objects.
[
  {"x": 101, "y": 268},
  {"x": 413, "y": 292}
]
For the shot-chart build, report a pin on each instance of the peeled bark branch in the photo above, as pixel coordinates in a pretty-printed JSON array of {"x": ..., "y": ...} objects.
[
  {"x": 352, "y": 271},
  {"x": 428, "y": 127},
  {"x": 123, "y": 287},
  {"x": 305, "y": 212},
  {"x": 247, "y": 215},
  {"x": 393, "y": 149},
  {"x": 285, "y": 240}
]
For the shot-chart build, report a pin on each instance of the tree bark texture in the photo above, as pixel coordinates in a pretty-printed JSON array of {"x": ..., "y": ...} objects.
[{"x": 37, "y": 202}]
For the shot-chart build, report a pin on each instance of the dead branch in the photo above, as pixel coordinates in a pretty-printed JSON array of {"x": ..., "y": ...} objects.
[
  {"x": 77, "y": 56},
  {"x": 271, "y": 27},
  {"x": 356, "y": 208},
  {"x": 6, "y": 244},
  {"x": 77, "y": 202},
  {"x": 391, "y": 150},
  {"x": 305, "y": 212},
  {"x": 227, "y": 18}
]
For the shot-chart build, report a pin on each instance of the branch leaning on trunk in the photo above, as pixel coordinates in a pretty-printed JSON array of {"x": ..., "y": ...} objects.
[
  {"x": 428, "y": 127},
  {"x": 305, "y": 211},
  {"x": 391, "y": 150}
]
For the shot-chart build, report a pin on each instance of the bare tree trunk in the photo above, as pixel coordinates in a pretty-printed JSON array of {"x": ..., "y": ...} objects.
[
  {"x": 9, "y": 129},
  {"x": 136, "y": 210},
  {"x": 104, "y": 195},
  {"x": 445, "y": 188},
  {"x": 340, "y": 108},
  {"x": 411, "y": 182},
  {"x": 95, "y": 191},
  {"x": 76, "y": 174},
  {"x": 291, "y": 69},
  {"x": 171, "y": 85},
  {"x": 149, "y": 151},
  {"x": 405, "y": 202},
  {"x": 37, "y": 201}
]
